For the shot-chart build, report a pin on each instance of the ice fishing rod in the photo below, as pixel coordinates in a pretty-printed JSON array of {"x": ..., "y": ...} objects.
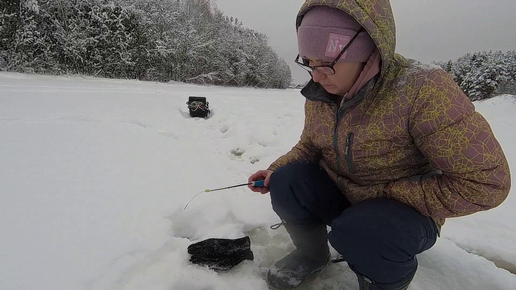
[{"x": 256, "y": 183}]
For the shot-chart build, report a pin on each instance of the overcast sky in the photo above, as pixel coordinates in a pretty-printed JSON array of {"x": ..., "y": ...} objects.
[{"x": 427, "y": 30}]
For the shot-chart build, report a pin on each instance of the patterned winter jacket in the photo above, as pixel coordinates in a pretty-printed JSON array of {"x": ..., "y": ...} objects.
[{"x": 410, "y": 134}]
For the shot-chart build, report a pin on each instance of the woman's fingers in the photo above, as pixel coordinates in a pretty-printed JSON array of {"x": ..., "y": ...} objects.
[{"x": 260, "y": 175}]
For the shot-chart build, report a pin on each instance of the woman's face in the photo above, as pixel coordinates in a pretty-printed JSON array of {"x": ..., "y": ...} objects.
[{"x": 346, "y": 73}]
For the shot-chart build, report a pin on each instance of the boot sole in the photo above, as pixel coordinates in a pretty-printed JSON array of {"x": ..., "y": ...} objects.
[{"x": 308, "y": 277}]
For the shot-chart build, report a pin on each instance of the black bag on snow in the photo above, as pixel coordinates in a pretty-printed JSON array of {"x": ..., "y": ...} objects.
[{"x": 198, "y": 107}]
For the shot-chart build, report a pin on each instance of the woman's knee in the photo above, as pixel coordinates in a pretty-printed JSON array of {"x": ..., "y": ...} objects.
[
  {"x": 369, "y": 232},
  {"x": 290, "y": 175},
  {"x": 289, "y": 193},
  {"x": 374, "y": 243}
]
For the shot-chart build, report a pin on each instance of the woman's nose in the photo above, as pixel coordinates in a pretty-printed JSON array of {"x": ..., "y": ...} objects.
[{"x": 318, "y": 76}]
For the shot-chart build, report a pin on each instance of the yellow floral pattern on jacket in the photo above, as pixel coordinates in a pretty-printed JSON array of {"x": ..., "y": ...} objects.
[{"x": 414, "y": 137}]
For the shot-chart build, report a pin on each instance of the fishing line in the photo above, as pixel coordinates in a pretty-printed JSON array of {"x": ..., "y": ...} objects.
[{"x": 257, "y": 183}]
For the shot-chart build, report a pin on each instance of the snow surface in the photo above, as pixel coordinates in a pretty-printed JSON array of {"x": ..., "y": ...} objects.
[{"x": 95, "y": 173}]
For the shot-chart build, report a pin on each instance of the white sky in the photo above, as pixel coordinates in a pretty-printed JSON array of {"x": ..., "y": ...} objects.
[
  {"x": 95, "y": 173},
  {"x": 428, "y": 30}
]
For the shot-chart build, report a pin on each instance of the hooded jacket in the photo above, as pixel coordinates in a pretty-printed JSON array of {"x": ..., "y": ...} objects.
[{"x": 409, "y": 134}]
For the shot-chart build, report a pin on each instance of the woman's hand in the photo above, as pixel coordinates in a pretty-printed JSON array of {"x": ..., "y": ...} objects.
[{"x": 264, "y": 175}]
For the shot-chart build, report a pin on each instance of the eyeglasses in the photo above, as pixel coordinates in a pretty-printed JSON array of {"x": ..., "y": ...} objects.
[{"x": 326, "y": 69}]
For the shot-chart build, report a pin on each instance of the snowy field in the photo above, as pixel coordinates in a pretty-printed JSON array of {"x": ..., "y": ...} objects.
[{"x": 94, "y": 175}]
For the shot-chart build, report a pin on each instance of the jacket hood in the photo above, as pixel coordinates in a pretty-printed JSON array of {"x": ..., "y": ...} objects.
[{"x": 374, "y": 15}]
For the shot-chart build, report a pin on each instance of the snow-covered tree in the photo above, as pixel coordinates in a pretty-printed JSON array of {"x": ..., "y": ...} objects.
[
  {"x": 484, "y": 74},
  {"x": 31, "y": 48},
  {"x": 9, "y": 25},
  {"x": 508, "y": 86}
]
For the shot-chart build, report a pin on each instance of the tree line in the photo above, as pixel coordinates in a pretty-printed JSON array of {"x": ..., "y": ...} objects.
[
  {"x": 485, "y": 74},
  {"x": 158, "y": 40},
  {"x": 177, "y": 40}
]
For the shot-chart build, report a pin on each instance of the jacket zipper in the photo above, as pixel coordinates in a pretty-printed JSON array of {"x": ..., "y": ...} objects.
[
  {"x": 338, "y": 116},
  {"x": 336, "y": 138},
  {"x": 348, "y": 154}
]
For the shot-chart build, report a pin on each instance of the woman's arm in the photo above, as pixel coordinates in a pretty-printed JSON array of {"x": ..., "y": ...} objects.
[{"x": 473, "y": 173}]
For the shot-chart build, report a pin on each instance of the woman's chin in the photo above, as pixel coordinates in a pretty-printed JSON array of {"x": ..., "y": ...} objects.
[{"x": 331, "y": 89}]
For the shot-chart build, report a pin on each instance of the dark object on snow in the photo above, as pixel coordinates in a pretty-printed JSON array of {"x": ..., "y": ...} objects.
[
  {"x": 221, "y": 254},
  {"x": 198, "y": 107}
]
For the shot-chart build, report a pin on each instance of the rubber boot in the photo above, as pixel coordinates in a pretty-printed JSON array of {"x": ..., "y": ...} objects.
[{"x": 311, "y": 255}]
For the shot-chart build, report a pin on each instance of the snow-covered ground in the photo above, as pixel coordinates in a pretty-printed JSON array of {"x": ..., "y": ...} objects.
[{"x": 94, "y": 175}]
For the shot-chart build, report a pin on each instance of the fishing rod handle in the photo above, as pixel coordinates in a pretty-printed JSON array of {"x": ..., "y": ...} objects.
[{"x": 258, "y": 183}]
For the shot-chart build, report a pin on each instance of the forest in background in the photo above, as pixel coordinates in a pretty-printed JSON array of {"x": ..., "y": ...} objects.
[
  {"x": 158, "y": 40},
  {"x": 485, "y": 74}
]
